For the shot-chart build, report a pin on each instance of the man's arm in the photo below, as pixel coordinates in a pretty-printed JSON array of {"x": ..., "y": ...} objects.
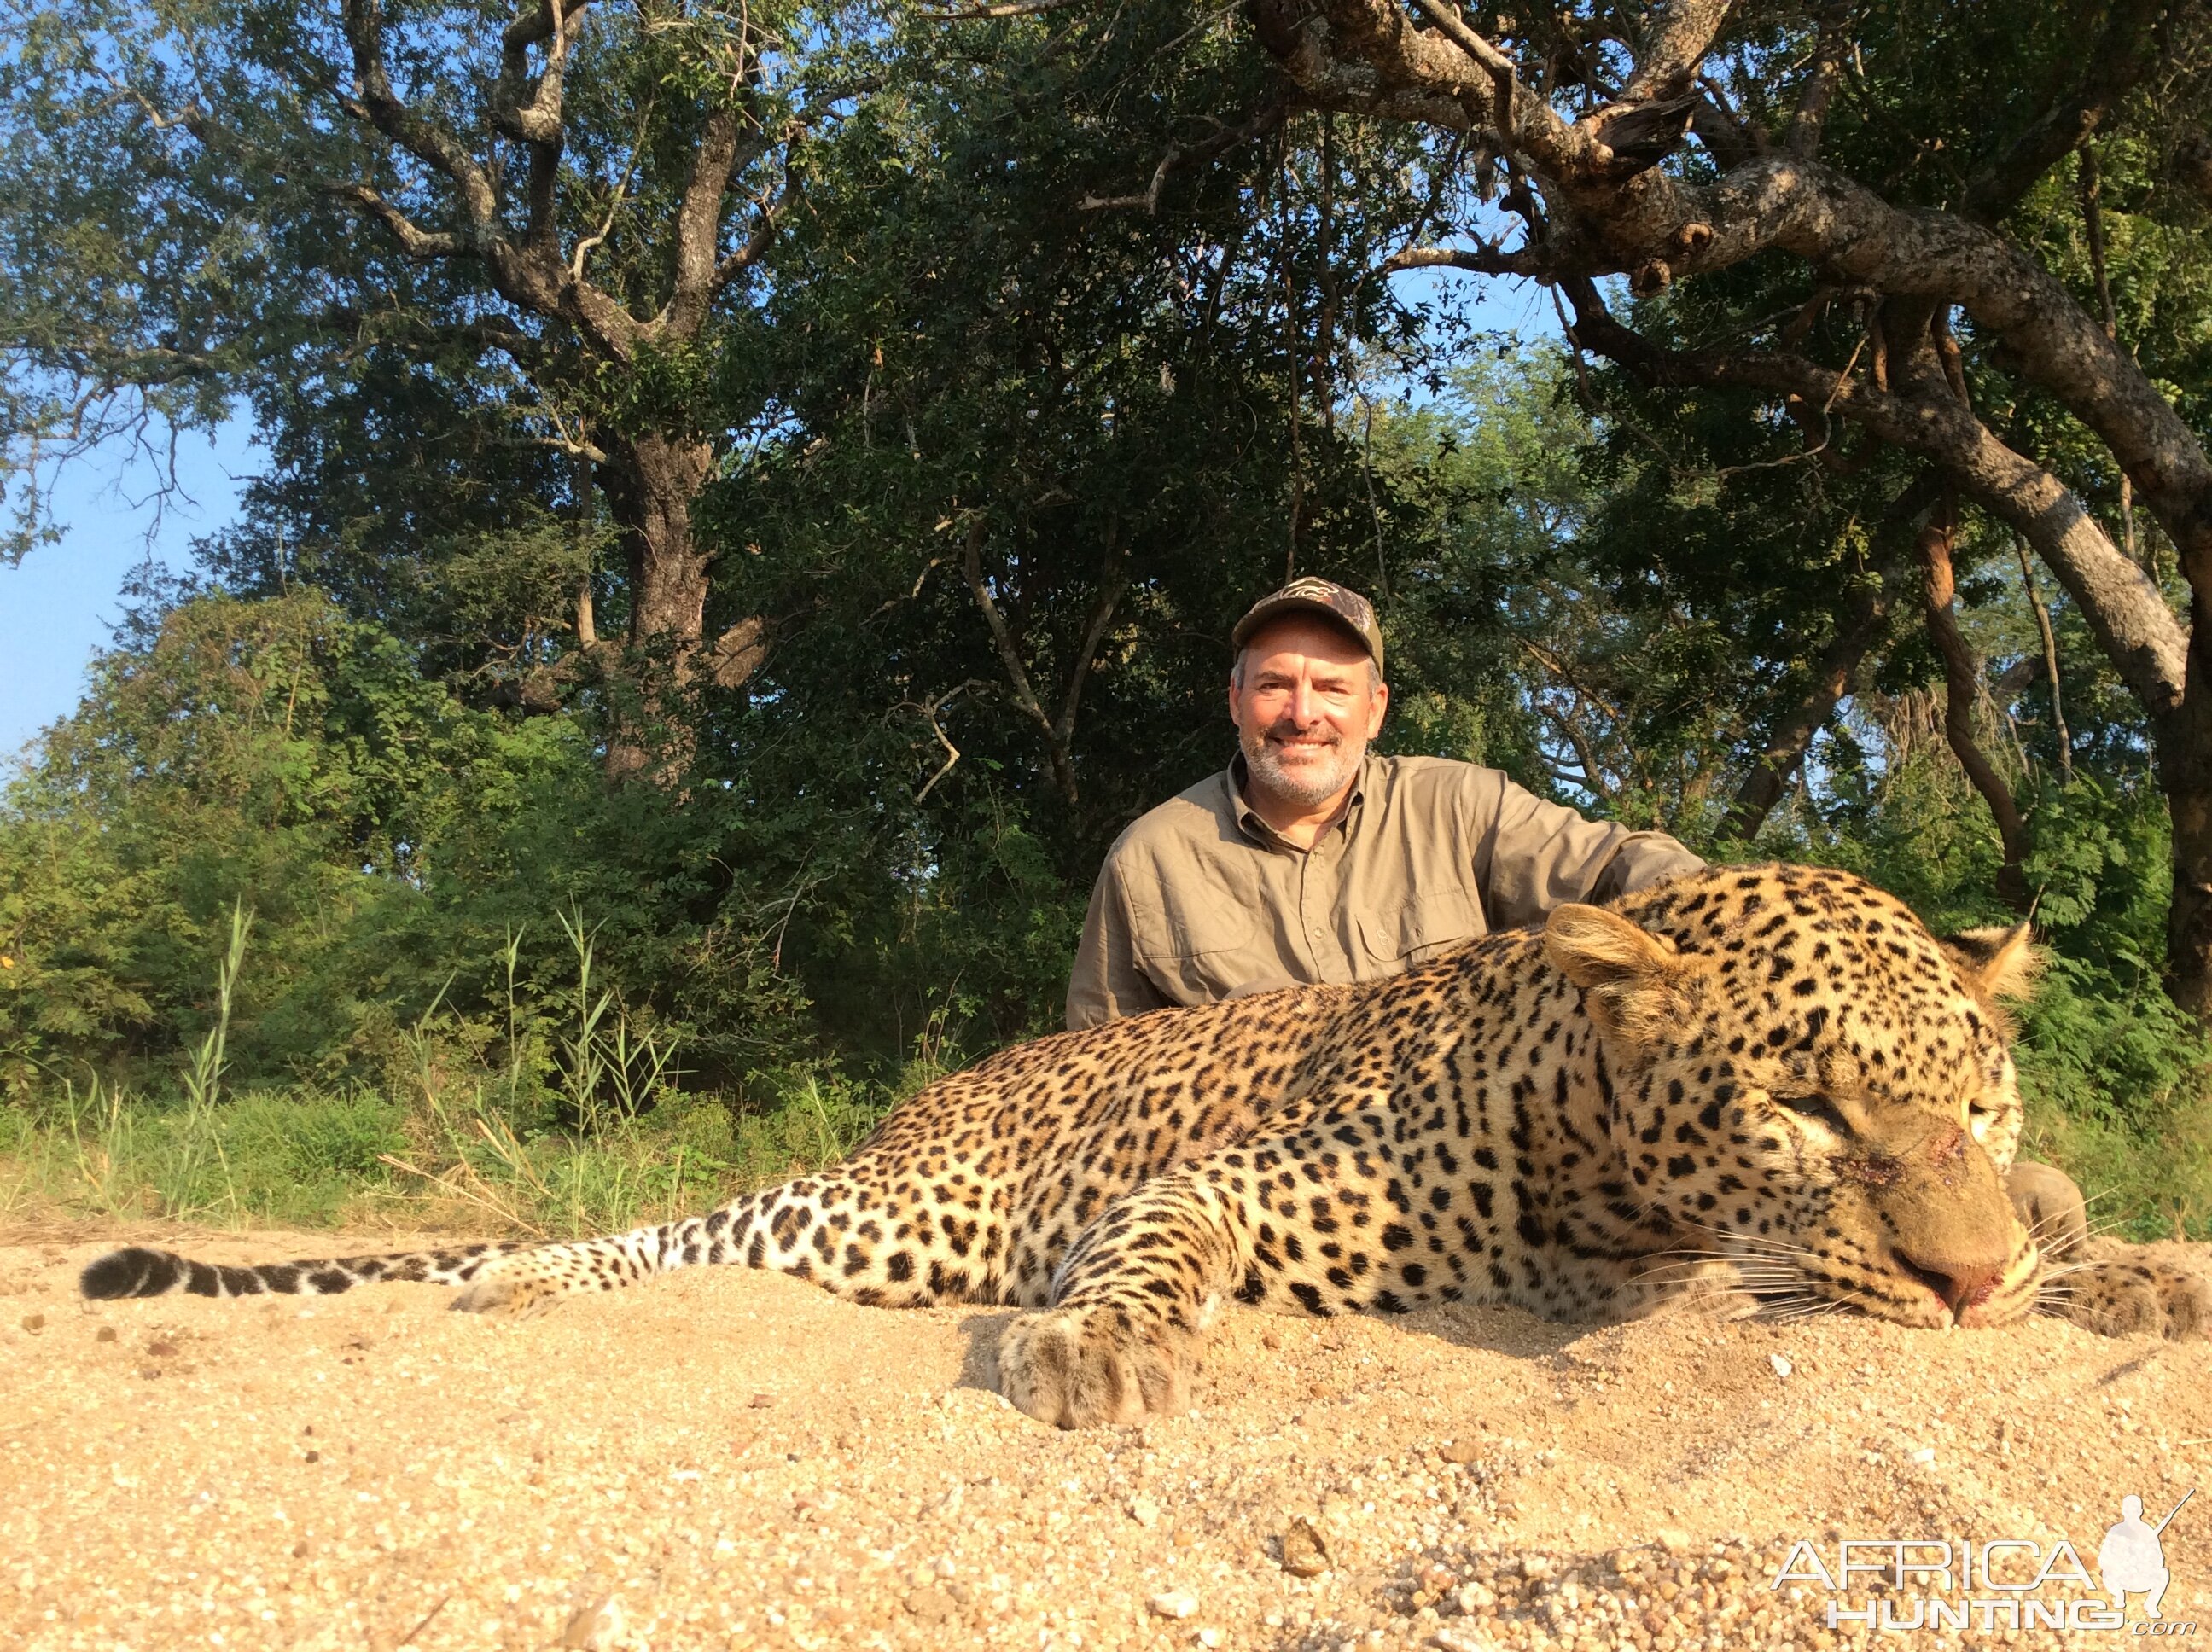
[
  {"x": 1531, "y": 856},
  {"x": 1107, "y": 983}
]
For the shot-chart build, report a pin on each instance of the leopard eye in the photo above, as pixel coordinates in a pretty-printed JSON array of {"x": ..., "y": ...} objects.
[
  {"x": 1979, "y": 1117},
  {"x": 1817, "y": 1107}
]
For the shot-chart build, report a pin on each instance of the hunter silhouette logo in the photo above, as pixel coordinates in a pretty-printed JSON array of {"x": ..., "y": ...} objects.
[
  {"x": 2132, "y": 1561},
  {"x": 1992, "y": 1583}
]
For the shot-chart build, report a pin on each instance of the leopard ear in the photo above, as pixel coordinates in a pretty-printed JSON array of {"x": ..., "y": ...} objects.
[
  {"x": 1996, "y": 962},
  {"x": 1636, "y": 981}
]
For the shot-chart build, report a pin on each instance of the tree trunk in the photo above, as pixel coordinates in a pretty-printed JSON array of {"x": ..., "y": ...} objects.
[
  {"x": 651, "y": 483},
  {"x": 2185, "y": 770},
  {"x": 1962, "y": 678}
]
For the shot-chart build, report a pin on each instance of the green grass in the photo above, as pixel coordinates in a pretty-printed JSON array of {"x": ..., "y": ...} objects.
[{"x": 303, "y": 1157}]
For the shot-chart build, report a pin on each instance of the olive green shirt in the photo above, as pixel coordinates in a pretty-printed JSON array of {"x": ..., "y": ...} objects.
[{"x": 1201, "y": 900}]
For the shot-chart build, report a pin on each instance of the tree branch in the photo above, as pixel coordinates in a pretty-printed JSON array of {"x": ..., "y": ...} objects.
[
  {"x": 742, "y": 258},
  {"x": 2116, "y": 63},
  {"x": 1365, "y": 55},
  {"x": 415, "y": 242},
  {"x": 1962, "y": 684},
  {"x": 2124, "y": 608},
  {"x": 699, "y": 222},
  {"x": 1673, "y": 46},
  {"x": 1835, "y": 673},
  {"x": 1113, "y": 581},
  {"x": 1010, "y": 656},
  {"x": 1178, "y": 158},
  {"x": 377, "y": 104}
]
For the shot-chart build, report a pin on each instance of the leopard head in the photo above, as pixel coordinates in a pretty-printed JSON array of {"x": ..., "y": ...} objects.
[{"x": 1799, "y": 1076}]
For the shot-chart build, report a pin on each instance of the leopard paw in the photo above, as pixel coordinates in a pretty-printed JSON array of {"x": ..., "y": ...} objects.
[
  {"x": 1085, "y": 1366},
  {"x": 2128, "y": 1296}
]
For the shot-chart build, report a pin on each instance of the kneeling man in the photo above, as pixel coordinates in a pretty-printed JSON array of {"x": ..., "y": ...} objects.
[{"x": 1308, "y": 860}]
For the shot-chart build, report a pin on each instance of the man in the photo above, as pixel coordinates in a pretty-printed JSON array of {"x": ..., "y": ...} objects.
[{"x": 1310, "y": 860}]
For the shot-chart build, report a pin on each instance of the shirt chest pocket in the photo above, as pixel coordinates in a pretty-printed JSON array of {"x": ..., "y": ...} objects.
[
  {"x": 1200, "y": 951},
  {"x": 1425, "y": 928}
]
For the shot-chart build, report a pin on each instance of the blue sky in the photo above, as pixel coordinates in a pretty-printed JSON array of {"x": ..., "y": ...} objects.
[{"x": 61, "y": 604}]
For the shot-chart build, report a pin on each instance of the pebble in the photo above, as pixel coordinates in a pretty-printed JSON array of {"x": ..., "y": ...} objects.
[
  {"x": 594, "y": 1627},
  {"x": 34, "y": 1323},
  {"x": 1781, "y": 1363},
  {"x": 160, "y": 1350},
  {"x": 1462, "y": 1452},
  {"x": 1145, "y": 1512},
  {"x": 1175, "y": 1603},
  {"x": 931, "y": 1604},
  {"x": 106, "y": 1334},
  {"x": 1304, "y": 1554},
  {"x": 762, "y": 1401}
]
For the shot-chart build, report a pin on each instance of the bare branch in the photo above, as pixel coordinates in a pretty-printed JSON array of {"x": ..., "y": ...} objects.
[
  {"x": 415, "y": 242},
  {"x": 1962, "y": 678},
  {"x": 1674, "y": 43},
  {"x": 756, "y": 246},
  {"x": 1010, "y": 656},
  {"x": 1179, "y": 156},
  {"x": 724, "y": 147},
  {"x": 930, "y": 710},
  {"x": 538, "y": 120},
  {"x": 1010, "y": 8},
  {"x": 1830, "y": 52},
  {"x": 424, "y": 139},
  {"x": 2050, "y": 640},
  {"x": 1484, "y": 260}
]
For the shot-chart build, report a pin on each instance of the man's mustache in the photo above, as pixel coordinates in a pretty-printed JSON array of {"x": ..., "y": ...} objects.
[{"x": 1288, "y": 731}]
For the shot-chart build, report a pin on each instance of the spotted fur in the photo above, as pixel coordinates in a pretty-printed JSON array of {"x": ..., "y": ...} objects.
[{"x": 1767, "y": 1088}]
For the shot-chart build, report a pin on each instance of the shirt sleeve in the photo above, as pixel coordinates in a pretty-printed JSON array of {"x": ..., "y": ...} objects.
[
  {"x": 1531, "y": 856},
  {"x": 1107, "y": 983}
]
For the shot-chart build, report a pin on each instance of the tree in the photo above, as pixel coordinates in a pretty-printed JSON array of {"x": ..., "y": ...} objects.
[
  {"x": 1840, "y": 178},
  {"x": 559, "y": 219}
]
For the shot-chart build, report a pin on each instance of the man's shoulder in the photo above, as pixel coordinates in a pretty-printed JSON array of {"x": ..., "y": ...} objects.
[
  {"x": 1421, "y": 778},
  {"x": 1195, "y": 815}
]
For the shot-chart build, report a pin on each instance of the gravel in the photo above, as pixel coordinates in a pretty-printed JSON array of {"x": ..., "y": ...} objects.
[{"x": 734, "y": 1460}]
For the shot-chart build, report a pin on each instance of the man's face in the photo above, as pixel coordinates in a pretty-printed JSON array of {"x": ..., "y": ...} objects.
[{"x": 1305, "y": 703}]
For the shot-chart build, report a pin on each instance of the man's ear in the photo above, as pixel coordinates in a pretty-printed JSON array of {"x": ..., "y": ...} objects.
[
  {"x": 1996, "y": 962},
  {"x": 1637, "y": 983}
]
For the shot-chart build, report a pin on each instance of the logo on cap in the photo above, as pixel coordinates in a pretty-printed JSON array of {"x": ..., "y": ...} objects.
[{"x": 1315, "y": 595}]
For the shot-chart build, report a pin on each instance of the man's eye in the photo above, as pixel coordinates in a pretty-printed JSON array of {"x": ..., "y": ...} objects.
[{"x": 1816, "y": 1107}]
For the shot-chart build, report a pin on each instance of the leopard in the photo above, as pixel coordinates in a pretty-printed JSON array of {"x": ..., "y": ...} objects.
[{"x": 1749, "y": 1090}]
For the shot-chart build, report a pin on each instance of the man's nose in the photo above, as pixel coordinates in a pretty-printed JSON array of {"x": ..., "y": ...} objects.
[{"x": 1302, "y": 705}]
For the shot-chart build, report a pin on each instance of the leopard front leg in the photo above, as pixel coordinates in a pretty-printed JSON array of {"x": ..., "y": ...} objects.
[
  {"x": 1131, "y": 1303},
  {"x": 2124, "y": 1292}
]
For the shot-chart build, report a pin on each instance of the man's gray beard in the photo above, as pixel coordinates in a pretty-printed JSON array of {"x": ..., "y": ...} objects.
[{"x": 1310, "y": 786}]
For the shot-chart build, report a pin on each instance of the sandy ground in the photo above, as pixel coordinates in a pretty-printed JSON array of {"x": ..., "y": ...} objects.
[{"x": 736, "y": 1459}]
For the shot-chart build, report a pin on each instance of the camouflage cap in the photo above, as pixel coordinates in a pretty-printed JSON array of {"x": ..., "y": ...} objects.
[{"x": 1348, "y": 609}]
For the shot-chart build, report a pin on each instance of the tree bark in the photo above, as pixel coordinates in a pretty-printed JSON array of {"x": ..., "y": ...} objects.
[
  {"x": 652, "y": 482},
  {"x": 2185, "y": 770},
  {"x": 1962, "y": 681}
]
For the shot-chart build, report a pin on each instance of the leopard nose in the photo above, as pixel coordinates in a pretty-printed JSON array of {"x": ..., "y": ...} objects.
[{"x": 1962, "y": 1282}]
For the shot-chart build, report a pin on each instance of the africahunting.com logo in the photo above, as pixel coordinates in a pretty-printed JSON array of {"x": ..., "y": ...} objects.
[{"x": 2004, "y": 1583}]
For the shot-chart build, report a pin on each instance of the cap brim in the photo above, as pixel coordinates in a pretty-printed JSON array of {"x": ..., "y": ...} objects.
[{"x": 1268, "y": 612}]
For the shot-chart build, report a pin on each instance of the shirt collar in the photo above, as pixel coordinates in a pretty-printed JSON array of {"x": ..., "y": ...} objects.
[{"x": 1248, "y": 820}]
